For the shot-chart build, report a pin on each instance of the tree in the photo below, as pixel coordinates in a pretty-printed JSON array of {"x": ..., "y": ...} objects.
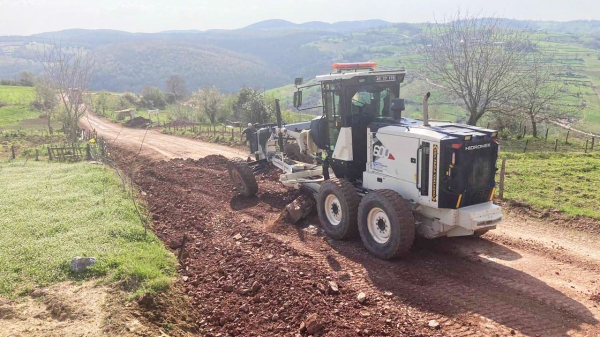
[
  {"x": 153, "y": 98},
  {"x": 209, "y": 101},
  {"x": 70, "y": 70},
  {"x": 540, "y": 91},
  {"x": 26, "y": 78},
  {"x": 252, "y": 106},
  {"x": 477, "y": 60},
  {"x": 101, "y": 103},
  {"x": 175, "y": 88},
  {"x": 45, "y": 95}
]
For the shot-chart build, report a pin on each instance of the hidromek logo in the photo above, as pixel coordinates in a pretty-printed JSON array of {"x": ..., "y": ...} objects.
[{"x": 477, "y": 147}]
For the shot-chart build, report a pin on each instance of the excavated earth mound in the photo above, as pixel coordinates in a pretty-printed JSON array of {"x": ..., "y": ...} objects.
[
  {"x": 138, "y": 123},
  {"x": 245, "y": 282},
  {"x": 249, "y": 273}
]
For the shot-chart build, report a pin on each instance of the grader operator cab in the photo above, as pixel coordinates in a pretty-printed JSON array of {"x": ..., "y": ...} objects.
[{"x": 376, "y": 173}]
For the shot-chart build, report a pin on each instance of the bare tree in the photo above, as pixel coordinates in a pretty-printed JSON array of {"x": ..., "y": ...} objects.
[
  {"x": 541, "y": 92},
  {"x": 476, "y": 59},
  {"x": 175, "y": 87},
  {"x": 70, "y": 70},
  {"x": 45, "y": 95}
]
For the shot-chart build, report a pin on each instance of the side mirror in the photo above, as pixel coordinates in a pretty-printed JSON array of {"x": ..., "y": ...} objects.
[
  {"x": 297, "y": 99},
  {"x": 397, "y": 107},
  {"x": 298, "y": 81}
]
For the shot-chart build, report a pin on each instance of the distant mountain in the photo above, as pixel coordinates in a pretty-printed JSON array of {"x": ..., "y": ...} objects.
[
  {"x": 266, "y": 54},
  {"x": 343, "y": 26}
]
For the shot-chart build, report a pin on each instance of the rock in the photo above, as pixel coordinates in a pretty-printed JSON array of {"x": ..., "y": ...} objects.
[
  {"x": 300, "y": 208},
  {"x": 175, "y": 243},
  {"x": 185, "y": 278},
  {"x": 80, "y": 264},
  {"x": 361, "y": 298},
  {"x": 365, "y": 313},
  {"x": 312, "y": 324},
  {"x": 275, "y": 317},
  {"x": 321, "y": 288},
  {"x": 7, "y": 312},
  {"x": 255, "y": 287},
  {"x": 434, "y": 324},
  {"x": 227, "y": 288},
  {"x": 244, "y": 308},
  {"x": 302, "y": 327},
  {"x": 387, "y": 294},
  {"x": 333, "y": 288},
  {"x": 238, "y": 236}
]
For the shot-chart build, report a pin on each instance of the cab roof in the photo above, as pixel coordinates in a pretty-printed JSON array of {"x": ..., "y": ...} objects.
[{"x": 360, "y": 73}]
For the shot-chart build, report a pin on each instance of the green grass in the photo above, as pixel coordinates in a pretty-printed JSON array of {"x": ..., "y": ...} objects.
[
  {"x": 569, "y": 182},
  {"x": 14, "y": 114},
  {"x": 16, "y": 95},
  {"x": 51, "y": 213}
]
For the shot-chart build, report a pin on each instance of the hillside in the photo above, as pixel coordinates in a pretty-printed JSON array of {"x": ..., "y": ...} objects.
[
  {"x": 127, "y": 66},
  {"x": 271, "y": 53}
]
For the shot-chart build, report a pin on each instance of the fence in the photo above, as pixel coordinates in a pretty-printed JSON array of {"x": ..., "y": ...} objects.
[{"x": 208, "y": 130}]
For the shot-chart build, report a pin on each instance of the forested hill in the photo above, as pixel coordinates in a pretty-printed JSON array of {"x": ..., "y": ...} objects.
[{"x": 266, "y": 54}]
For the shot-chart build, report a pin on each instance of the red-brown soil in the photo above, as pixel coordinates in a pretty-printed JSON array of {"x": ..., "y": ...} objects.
[{"x": 247, "y": 275}]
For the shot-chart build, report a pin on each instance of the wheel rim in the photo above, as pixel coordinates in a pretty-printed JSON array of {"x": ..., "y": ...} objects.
[
  {"x": 237, "y": 180},
  {"x": 378, "y": 224},
  {"x": 333, "y": 210}
]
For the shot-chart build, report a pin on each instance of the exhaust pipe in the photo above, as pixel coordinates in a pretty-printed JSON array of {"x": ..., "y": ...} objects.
[{"x": 426, "y": 109}]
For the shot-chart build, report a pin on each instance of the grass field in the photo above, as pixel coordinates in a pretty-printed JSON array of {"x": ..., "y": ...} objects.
[
  {"x": 13, "y": 115},
  {"x": 16, "y": 95},
  {"x": 565, "y": 181},
  {"x": 51, "y": 213}
]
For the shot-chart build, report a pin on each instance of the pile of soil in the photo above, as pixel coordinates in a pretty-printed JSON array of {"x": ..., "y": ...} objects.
[
  {"x": 138, "y": 123},
  {"x": 245, "y": 281}
]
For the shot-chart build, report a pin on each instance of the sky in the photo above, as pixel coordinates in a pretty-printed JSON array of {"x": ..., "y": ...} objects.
[{"x": 25, "y": 17}]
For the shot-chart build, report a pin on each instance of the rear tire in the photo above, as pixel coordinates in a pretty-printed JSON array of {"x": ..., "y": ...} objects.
[
  {"x": 386, "y": 224},
  {"x": 242, "y": 177},
  {"x": 337, "y": 204}
]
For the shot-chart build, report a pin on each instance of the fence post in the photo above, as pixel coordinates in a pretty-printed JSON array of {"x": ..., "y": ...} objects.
[
  {"x": 12, "y": 149},
  {"x": 555, "y": 144},
  {"x": 232, "y": 135},
  {"x": 526, "y": 143},
  {"x": 547, "y": 134},
  {"x": 88, "y": 152},
  {"x": 524, "y": 131},
  {"x": 502, "y": 171},
  {"x": 592, "y": 143},
  {"x": 49, "y": 153},
  {"x": 567, "y": 139},
  {"x": 37, "y": 155},
  {"x": 586, "y": 145}
]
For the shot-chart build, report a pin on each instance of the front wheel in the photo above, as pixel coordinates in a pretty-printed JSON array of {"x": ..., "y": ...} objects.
[
  {"x": 242, "y": 177},
  {"x": 386, "y": 224},
  {"x": 337, "y": 203}
]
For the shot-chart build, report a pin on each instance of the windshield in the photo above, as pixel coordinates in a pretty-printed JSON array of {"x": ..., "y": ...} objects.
[{"x": 372, "y": 102}]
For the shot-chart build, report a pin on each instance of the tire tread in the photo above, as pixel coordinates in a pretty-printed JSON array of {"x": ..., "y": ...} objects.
[{"x": 246, "y": 174}]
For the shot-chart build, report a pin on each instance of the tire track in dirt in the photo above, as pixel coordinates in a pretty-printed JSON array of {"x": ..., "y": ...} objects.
[{"x": 464, "y": 278}]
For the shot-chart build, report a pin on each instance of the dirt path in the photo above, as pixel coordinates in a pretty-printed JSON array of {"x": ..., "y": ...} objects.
[
  {"x": 528, "y": 278},
  {"x": 153, "y": 143}
]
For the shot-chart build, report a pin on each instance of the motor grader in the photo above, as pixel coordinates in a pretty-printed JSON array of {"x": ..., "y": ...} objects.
[{"x": 375, "y": 173}]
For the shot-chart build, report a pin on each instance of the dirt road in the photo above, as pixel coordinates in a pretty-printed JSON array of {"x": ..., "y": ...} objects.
[
  {"x": 247, "y": 275},
  {"x": 153, "y": 143}
]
